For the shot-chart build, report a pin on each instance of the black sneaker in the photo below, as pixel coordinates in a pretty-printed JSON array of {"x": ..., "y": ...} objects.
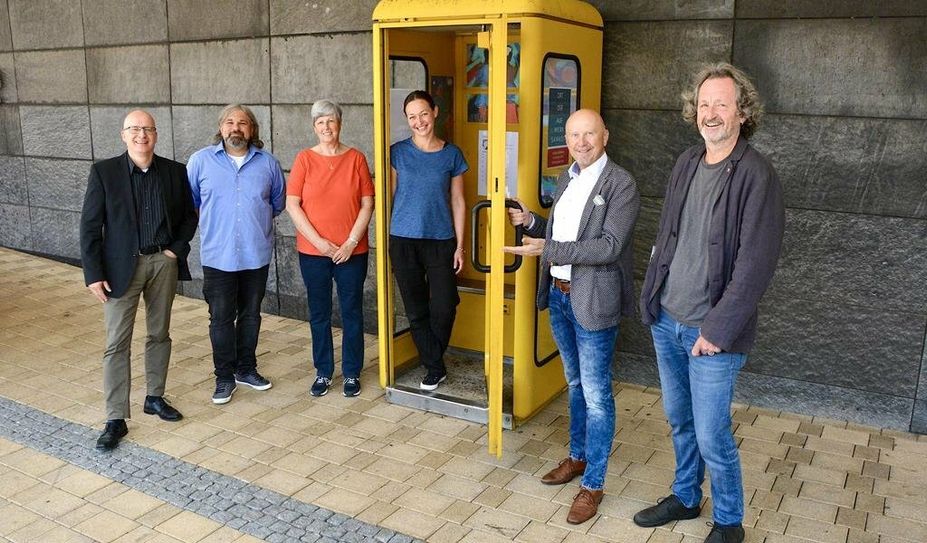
[
  {"x": 351, "y": 387},
  {"x": 320, "y": 386},
  {"x": 432, "y": 380},
  {"x": 666, "y": 510},
  {"x": 725, "y": 534},
  {"x": 253, "y": 379},
  {"x": 223, "y": 393}
]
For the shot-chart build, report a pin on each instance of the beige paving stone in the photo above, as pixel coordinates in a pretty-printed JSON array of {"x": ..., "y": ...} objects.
[
  {"x": 816, "y": 531},
  {"x": 76, "y": 516},
  {"x": 15, "y": 517},
  {"x": 449, "y": 533},
  {"x": 492, "y": 496},
  {"x": 188, "y": 527},
  {"x": 312, "y": 492},
  {"x": 175, "y": 446},
  {"x": 882, "y": 442},
  {"x": 895, "y": 527},
  {"x": 106, "y": 526},
  {"x": 333, "y": 453},
  {"x": 857, "y": 437},
  {"x": 82, "y": 483},
  {"x": 54, "y": 503},
  {"x": 459, "y": 511},
  {"x": 299, "y": 464},
  {"x": 859, "y": 536},
  {"x": 31, "y": 462},
  {"x": 391, "y": 469},
  {"x": 498, "y": 522},
  {"x": 645, "y": 492},
  {"x": 867, "y": 453},
  {"x": 827, "y": 494},
  {"x": 225, "y": 463},
  {"x": 820, "y": 475},
  {"x": 851, "y": 518},
  {"x": 377, "y": 512},
  {"x": 858, "y": 483},
  {"x": 158, "y": 515},
  {"x": 222, "y": 535},
  {"x": 534, "y": 508},
  {"x": 254, "y": 472},
  {"x": 458, "y": 487},
  {"x": 284, "y": 482},
  {"x": 616, "y": 529},
  {"x": 344, "y": 501},
  {"x": 829, "y": 446},
  {"x": 899, "y": 508},
  {"x": 767, "y": 500},
  {"x": 811, "y": 509},
  {"x": 876, "y": 470},
  {"x": 649, "y": 474},
  {"x": 771, "y": 521},
  {"x": 615, "y": 506},
  {"x": 13, "y": 482},
  {"x": 413, "y": 523},
  {"x": 425, "y": 501},
  {"x": 532, "y": 486},
  {"x": 781, "y": 467},
  {"x": 34, "y": 531},
  {"x": 798, "y": 455}
]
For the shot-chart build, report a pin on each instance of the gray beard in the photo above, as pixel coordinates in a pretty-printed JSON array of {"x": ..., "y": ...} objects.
[{"x": 237, "y": 142}]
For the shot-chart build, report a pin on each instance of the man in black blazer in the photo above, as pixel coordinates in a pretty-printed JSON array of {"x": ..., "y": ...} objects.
[{"x": 135, "y": 231}]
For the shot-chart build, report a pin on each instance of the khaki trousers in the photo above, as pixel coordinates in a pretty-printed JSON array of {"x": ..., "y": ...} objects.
[{"x": 155, "y": 279}]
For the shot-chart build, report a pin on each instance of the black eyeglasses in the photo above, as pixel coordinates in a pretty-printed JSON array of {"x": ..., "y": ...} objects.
[{"x": 136, "y": 130}]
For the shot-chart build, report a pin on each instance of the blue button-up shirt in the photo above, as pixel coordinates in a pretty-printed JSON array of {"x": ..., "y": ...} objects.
[{"x": 237, "y": 206}]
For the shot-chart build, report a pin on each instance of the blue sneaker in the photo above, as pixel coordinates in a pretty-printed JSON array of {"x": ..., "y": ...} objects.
[
  {"x": 351, "y": 387},
  {"x": 253, "y": 379},
  {"x": 320, "y": 386}
]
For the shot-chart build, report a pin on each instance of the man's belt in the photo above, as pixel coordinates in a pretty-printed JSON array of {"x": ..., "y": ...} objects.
[
  {"x": 153, "y": 249},
  {"x": 562, "y": 285}
]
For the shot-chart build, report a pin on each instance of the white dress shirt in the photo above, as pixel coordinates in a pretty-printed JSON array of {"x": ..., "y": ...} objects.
[{"x": 569, "y": 208}]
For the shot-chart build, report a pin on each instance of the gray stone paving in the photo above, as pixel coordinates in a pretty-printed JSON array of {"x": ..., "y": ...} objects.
[{"x": 239, "y": 505}]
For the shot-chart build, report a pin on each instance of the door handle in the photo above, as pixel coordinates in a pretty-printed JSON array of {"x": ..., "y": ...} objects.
[{"x": 474, "y": 237}]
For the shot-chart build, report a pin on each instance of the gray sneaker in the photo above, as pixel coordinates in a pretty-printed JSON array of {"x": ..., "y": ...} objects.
[
  {"x": 352, "y": 387},
  {"x": 224, "y": 391},
  {"x": 253, "y": 379}
]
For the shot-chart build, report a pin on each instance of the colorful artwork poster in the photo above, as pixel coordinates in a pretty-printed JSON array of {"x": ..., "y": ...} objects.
[
  {"x": 513, "y": 63},
  {"x": 442, "y": 90},
  {"x": 511, "y": 109},
  {"x": 548, "y": 189},
  {"x": 478, "y": 108},
  {"x": 558, "y": 112},
  {"x": 477, "y": 66},
  {"x": 560, "y": 72}
]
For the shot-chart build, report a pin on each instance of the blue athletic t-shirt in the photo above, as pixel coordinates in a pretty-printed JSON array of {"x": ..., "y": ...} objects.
[{"x": 421, "y": 206}]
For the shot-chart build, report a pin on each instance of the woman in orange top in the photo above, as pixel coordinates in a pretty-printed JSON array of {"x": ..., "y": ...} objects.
[{"x": 329, "y": 196}]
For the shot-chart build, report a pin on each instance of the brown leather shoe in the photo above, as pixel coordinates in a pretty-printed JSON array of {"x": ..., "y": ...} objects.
[
  {"x": 585, "y": 505},
  {"x": 566, "y": 471}
]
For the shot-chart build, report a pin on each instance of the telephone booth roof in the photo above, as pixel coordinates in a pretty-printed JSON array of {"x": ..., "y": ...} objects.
[{"x": 423, "y": 10}]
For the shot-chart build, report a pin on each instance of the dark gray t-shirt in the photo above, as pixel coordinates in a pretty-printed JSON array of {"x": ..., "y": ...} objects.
[{"x": 685, "y": 294}]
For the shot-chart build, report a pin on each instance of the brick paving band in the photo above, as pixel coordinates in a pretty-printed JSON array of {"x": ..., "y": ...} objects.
[{"x": 242, "y": 506}]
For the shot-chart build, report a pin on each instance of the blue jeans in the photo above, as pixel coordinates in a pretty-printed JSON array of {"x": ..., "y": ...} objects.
[
  {"x": 318, "y": 273},
  {"x": 234, "y": 300},
  {"x": 587, "y": 366},
  {"x": 697, "y": 395}
]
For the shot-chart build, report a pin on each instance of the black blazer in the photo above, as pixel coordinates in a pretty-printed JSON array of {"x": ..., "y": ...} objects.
[{"x": 109, "y": 228}]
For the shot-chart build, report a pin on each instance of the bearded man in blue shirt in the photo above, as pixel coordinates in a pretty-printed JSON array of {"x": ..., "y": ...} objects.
[{"x": 238, "y": 189}]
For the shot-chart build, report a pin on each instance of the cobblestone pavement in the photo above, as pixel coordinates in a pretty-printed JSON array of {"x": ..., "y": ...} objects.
[
  {"x": 386, "y": 466},
  {"x": 245, "y": 507}
]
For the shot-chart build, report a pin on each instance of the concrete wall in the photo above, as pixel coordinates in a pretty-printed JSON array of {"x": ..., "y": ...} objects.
[{"x": 842, "y": 332}]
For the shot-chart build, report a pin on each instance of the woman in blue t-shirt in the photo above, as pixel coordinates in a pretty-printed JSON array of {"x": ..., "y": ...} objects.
[{"x": 426, "y": 232}]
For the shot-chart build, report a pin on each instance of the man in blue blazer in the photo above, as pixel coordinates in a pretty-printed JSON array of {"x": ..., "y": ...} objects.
[
  {"x": 135, "y": 231},
  {"x": 587, "y": 283}
]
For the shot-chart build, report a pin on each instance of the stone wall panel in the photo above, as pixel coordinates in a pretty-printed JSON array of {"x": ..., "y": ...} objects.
[
  {"x": 15, "y": 227},
  {"x": 56, "y": 232},
  {"x": 661, "y": 10},
  {"x": 306, "y": 68},
  {"x": 106, "y": 127},
  {"x": 794, "y": 64},
  {"x": 11, "y": 135},
  {"x": 57, "y": 184},
  {"x": 46, "y": 24},
  {"x": 197, "y": 20},
  {"x": 148, "y": 81},
  {"x": 215, "y": 73},
  {"x": 56, "y": 131},
  {"x": 13, "y": 181},
  {"x": 8, "y": 79},
  {"x": 646, "y": 65},
  {"x": 300, "y": 17},
  {"x": 293, "y": 131},
  {"x": 113, "y": 22},
  {"x": 774, "y": 9},
  {"x": 872, "y": 166},
  {"x": 6, "y": 39},
  {"x": 51, "y": 76}
]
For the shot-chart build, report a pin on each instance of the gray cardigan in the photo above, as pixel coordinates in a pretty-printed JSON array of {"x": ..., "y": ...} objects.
[
  {"x": 602, "y": 277},
  {"x": 745, "y": 238}
]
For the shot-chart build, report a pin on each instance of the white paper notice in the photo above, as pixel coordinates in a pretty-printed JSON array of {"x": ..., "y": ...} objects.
[{"x": 511, "y": 163}]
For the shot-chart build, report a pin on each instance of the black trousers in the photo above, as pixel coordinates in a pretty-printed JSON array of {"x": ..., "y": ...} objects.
[
  {"x": 424, "y": 271},
  {"x": 234, "y": 300}
]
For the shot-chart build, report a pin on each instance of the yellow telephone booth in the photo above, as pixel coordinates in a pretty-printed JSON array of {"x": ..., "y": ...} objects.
[{"x": 505, "y": 75}]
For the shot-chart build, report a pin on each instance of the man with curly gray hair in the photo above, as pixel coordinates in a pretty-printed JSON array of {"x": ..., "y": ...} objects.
[{"x": 715, "y": 253}]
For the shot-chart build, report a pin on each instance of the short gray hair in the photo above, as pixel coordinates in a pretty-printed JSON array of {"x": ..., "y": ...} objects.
[{"x": 325, "y": 108}]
